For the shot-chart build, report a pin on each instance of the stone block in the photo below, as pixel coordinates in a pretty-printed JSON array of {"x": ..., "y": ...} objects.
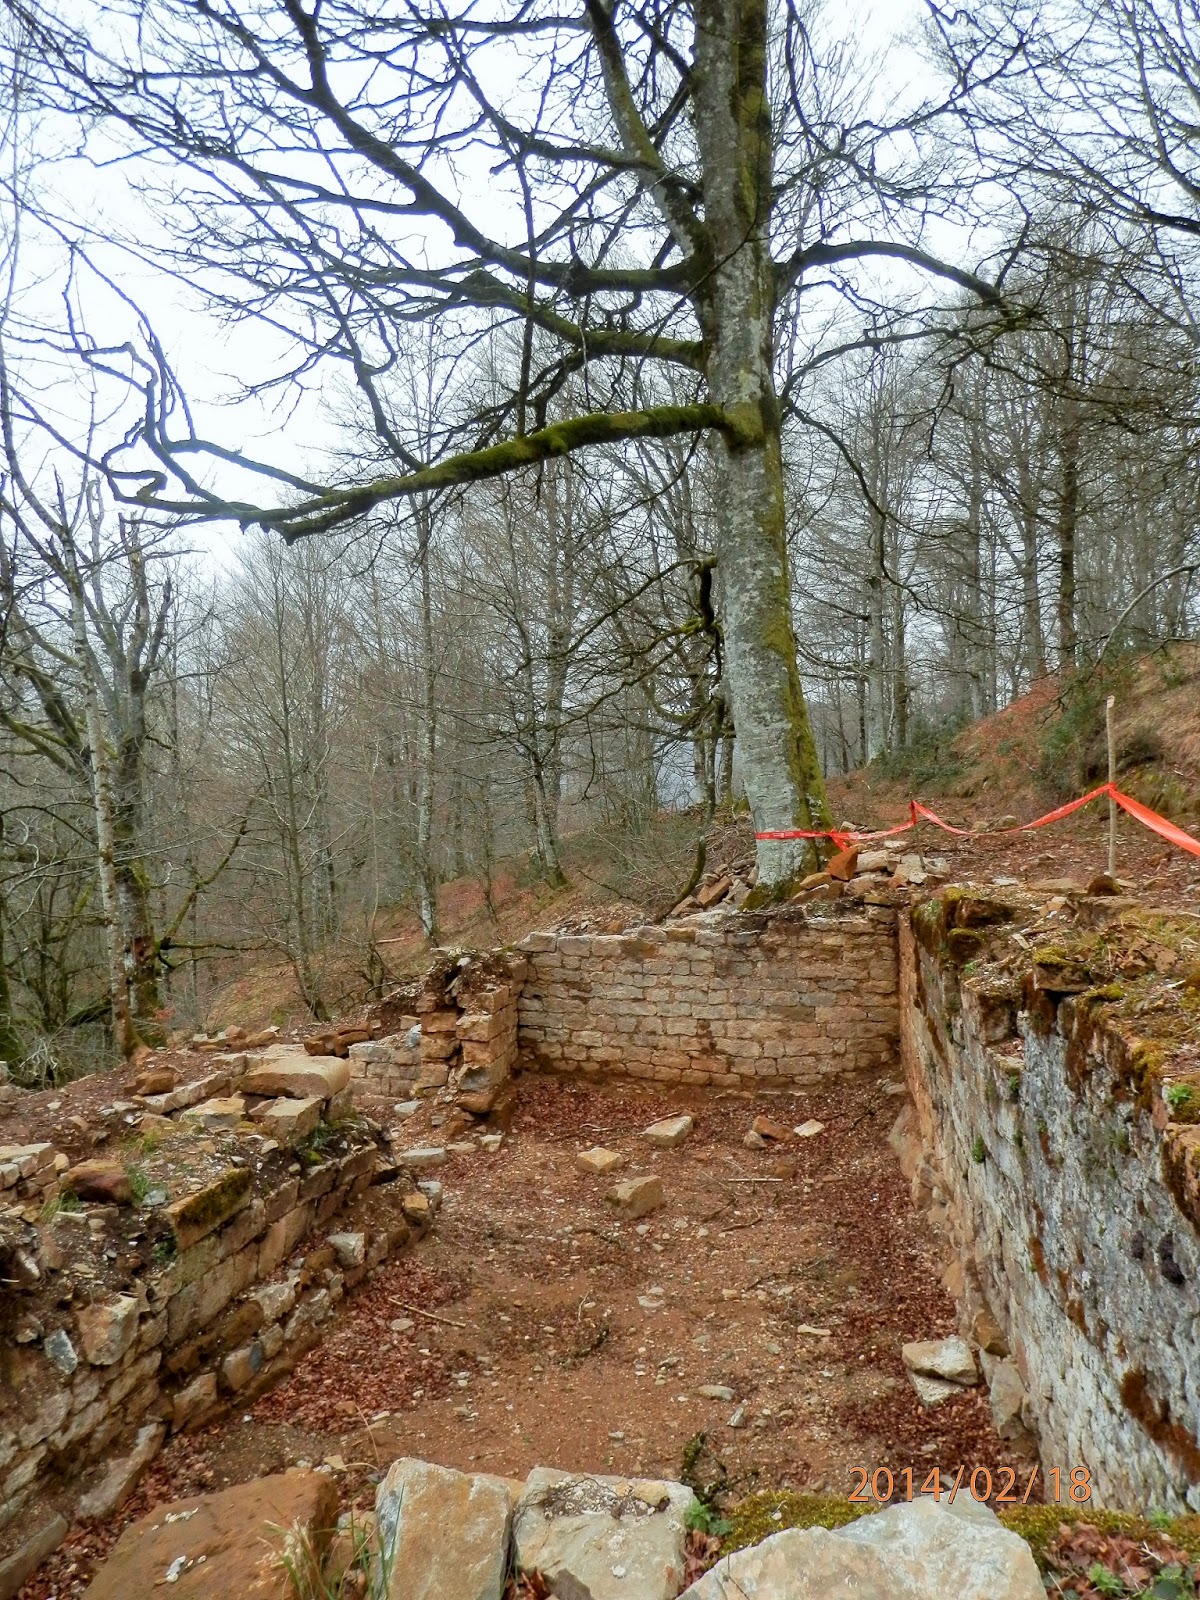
[
  {"x": 215, "y": 1115},
  {"x": 289, "y": 1120},
  {"x": 349, "y": 1248},
  {"x": 195, "y": 1400},
  {"x": 201, "y": 1213},
  {"x": 908, "y": 1552},
  {"x": 107, "y": 1328},
  {"x": 243, "y": 1364},
  {"x": 282, "y": 1237},
  {"x": 607, "y": 1538},
  {"x": 444, "y": 1534},
  {"x": 300, "y": 1077},
  {"x": 669, "y": 1132},
  {"x": 599, "y": 1160},
  {"x": 637, "y": 1197},
  {"x": 239, "y": 1542}
]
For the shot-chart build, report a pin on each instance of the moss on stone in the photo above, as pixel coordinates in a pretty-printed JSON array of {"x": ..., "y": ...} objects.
[
  {"x": 756, "y": 1518},
  {"x": 196, "y": 1215},
  {"x": 1038, "y": 1525}
]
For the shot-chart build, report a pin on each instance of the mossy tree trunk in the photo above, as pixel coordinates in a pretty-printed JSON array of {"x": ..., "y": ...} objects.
[{"x": 777, "y": 753}]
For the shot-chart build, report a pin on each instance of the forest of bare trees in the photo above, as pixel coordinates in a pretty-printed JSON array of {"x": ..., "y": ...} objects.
[{"x": 670, "y": 405}]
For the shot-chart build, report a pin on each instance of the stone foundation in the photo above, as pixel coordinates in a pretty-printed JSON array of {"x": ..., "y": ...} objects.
[{"x": 116, "y": 1328}]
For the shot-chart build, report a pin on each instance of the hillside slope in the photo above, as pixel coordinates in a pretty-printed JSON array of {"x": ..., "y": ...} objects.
[{"x": 1041, "y": 750}]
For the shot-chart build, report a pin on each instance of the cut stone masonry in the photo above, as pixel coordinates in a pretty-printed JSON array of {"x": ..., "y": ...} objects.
[{"x": 118, "y": 1325}]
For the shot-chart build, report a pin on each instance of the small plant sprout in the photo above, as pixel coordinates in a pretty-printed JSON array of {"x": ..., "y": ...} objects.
[
  {"x": 1179, "y": 1096},
  {"x": 978, "y": 1149},
  {"x": 139, "y": 1183}
]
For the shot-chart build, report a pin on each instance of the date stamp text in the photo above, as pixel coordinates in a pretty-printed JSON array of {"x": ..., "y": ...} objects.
[{"x": 1003, "y": 1487}]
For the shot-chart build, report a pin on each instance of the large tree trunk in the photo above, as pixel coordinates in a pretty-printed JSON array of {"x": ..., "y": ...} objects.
[{"x": 737, "y": 303}]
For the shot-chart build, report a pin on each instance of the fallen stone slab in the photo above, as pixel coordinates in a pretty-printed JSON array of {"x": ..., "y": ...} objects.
[
  {"x": 209, "y": 1087},
  {"x": 119, "y": 1478},
  {"x": 443, "y": 1535},
  {"x": 637, "y": 1197},
  {"x": 24, "y": 1561},
  {"x": 925, "y": 1550},
  {"x": 215, "y": 1115},
  {"x": 421, "y": 1158},
  {"x": 237, "y": 1542},
  {"x": 600, "y": 1160},
  {"x": 670, "y": 1131},
  {"x": 603, "y": 1537},
  {"x": 298, "y": 1077},
  {"x": 949, "y": 1359}
]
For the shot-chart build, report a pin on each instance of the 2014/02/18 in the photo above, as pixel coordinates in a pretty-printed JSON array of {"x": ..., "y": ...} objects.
[{"x": 880, "y": 1485}]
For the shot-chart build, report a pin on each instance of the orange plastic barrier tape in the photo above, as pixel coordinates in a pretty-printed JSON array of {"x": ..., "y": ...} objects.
[{"x": 918, "y": 813}]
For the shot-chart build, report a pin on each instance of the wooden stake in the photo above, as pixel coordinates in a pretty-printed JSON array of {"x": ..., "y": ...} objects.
[
  {"x": 433, "y": 1316},
  {"x": 1112, "y": 778}
]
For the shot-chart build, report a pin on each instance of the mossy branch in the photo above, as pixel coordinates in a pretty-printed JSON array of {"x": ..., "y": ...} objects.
[{"x": 338, "y": 506}]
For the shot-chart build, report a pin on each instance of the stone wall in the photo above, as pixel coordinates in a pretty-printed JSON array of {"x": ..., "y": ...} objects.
[
  {"x": 728, "y": 1000},
  {"x": 96, "y": 1368},
  {"x": 1070, "y": 1201}
]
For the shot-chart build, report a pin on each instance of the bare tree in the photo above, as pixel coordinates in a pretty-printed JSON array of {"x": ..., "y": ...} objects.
[{"x": 678, "y": 176}]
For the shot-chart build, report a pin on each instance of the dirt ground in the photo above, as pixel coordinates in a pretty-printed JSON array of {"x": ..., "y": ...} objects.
[{"x": 534, "y": 1327}]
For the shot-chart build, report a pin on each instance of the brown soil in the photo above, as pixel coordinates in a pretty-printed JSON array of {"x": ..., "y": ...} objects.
[{"x": 547, "y": 1331}]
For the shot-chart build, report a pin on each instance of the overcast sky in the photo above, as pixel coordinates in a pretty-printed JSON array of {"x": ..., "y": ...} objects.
[{"x": 212, "y": 361}]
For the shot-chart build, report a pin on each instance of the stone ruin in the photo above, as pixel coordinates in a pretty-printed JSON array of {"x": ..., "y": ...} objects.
[
  {"x": 1052, "y": 1136},
  {"x": 149, "y": 1292}
]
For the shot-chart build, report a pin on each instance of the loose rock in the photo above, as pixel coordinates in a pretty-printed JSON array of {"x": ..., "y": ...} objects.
[
  {"x": 606, "y": 1538},
  {"x": 637, "y": 1197},
  {"x": 102, "y": 1182},
  {"x": 598, "y": 1159},
  {"x": 670, "y": 1132},
  {"x": 950, "y": 1359}
]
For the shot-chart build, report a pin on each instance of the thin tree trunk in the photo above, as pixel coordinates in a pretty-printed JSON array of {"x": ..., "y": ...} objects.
[
  {"x": 119, "y": 956},
  {"x": 1068, "y": 522},
  {"x": 426, "y": 872},
  {"x": 877, "y": 699},
  {"x": 12, "y": 1052}
]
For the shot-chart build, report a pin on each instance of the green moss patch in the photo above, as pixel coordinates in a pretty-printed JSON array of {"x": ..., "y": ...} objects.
[{"x": 756, "y": 1518}]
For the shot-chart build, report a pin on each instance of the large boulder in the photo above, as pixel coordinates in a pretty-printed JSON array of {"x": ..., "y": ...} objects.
[
  {"x": 238, "y": 1543},
  {"x": 443, "y": 1535},
  {"x": 606, "y": 1538},
  {"x": 923, "y": 1550}
]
